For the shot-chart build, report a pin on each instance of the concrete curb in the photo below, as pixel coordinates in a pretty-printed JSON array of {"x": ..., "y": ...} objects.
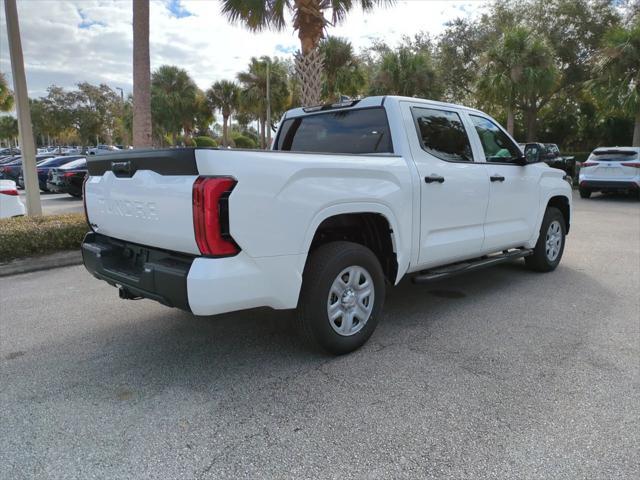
[{"x": 41, "y": 262}]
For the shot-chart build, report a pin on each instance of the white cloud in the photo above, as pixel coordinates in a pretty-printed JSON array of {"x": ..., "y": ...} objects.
[{"x": 69, "y": 41}]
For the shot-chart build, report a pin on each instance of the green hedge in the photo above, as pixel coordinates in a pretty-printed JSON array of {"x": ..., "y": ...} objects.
[
  {"x": 28, "y": 236},
  {"x": 242, "y": 141},
  {"x": 205, "y": 142}
]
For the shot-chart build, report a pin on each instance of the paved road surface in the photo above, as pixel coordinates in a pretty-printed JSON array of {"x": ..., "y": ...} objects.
[
  {"x": 57, "y": 203},
  {"x": 502, "y": 373}
]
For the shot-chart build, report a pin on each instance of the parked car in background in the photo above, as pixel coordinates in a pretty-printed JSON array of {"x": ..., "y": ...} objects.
[
  {"x": 68, "y": 178},
  {"x": 550, "y": 154},
  {"x": 610, "y": 169},
  {"x": 12, "y": 170},
  {"x": 10, "y": 203},
  {"x": 8, "y": 151},
  {"x": 102, "y": 149},
  {"x": 44, "y": 167}
]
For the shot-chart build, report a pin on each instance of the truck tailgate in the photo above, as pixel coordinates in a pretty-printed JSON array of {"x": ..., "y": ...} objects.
[{"x": 144, "y": 198}]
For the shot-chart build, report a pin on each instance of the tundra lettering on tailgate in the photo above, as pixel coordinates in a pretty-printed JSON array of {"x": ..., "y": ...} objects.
[{"x": 129, "y": 208}]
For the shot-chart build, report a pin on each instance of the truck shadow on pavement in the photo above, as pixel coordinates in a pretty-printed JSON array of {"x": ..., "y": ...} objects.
[{"x": 152, "y": 354}]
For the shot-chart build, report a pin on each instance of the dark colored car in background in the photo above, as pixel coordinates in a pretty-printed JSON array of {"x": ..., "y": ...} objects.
[
  {"x": 44, "y": 167},
  {"x": 68, "y": 178},
  {"x": 550, "y": 154},
  {"x": 12, "y": 170}
]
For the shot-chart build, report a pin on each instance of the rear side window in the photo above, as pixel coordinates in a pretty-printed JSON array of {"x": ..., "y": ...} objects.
[
  {"x": 442, "y": 134},
  {"x": 345, "y": 131}
]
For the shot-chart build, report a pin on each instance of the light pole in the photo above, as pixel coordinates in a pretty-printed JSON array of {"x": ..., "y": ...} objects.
[
  {"x": 124, "y": 140},
  {"x": 27, "y": 145}
]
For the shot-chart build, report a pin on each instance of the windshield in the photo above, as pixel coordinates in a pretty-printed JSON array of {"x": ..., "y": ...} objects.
[
  {"x": 80, "y": 163},
  {"x": 57, "y": 161},
  {"x": 346, "y": 131},
  {"x": 614, "y": 155}
]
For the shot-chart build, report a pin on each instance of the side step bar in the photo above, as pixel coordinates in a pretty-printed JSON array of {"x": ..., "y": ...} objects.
[{"x": 470, "y": 265}]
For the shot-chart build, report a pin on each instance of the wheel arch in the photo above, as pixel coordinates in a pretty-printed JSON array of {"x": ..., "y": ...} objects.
[
  {"x": 562, "y": 203},
  {"x": 372, "y": 225}
]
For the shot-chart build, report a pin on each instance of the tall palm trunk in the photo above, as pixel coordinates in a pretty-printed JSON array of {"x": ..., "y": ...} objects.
[
  {"x": 531, "y": 124},
  {"x": 309, "y": 70},
  {"x": 141, "y": 75},
  {"x": 309, "y": 21},
  {"x": 636, "y": 131},
  {"x": 510, "y": 120},
  {"x": 225, "y": 130}
]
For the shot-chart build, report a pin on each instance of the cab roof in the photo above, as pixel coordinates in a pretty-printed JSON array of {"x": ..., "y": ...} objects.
[{"x": 368, "y": 102}]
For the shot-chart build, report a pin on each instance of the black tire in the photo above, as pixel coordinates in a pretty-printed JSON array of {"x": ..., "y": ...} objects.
[
  {"x": 540, "y": 260},
  {"x": 323, "y": 268},
  {"x": 584, "y": 193}
]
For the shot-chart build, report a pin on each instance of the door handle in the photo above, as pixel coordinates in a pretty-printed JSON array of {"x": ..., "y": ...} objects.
[
  {"x": 497, "y": 178},
  {"x": 434, "y": 178}
]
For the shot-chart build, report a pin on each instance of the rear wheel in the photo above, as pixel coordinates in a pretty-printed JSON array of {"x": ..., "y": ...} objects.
[
  {"x": 550, "y": 246},
  {"x": 342, "y": 295},
  {"x": 585, "y": 193}
]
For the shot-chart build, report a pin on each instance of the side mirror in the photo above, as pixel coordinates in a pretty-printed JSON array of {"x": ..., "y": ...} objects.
[{"x": 532, "y": 153}]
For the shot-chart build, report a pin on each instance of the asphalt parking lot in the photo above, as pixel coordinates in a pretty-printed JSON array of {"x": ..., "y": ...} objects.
[
  {"x": 502, "y": 373},
  {"x": 57, "y": 203}
]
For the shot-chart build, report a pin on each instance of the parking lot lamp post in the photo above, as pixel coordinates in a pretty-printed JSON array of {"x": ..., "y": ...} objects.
[{"x": 25, "y": 131}]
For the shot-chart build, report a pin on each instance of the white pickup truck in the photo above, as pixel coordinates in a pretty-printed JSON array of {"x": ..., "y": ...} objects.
[{"x": 352, "y": 198}]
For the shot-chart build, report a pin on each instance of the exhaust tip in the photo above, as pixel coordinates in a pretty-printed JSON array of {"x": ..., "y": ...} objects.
[{"x": 125, "y": 294}]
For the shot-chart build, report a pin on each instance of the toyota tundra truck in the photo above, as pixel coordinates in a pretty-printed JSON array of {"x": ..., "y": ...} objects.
[{"x": 351, "y": 198}]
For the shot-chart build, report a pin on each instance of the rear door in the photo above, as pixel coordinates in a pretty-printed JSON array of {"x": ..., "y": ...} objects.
[
  {"x": 144, "y": 197},
  {"x": 454, "y": 188}
]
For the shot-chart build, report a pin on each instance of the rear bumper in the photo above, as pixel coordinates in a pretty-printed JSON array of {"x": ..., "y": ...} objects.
[
  {"x": 596, "y": 185},
  {"x": 203, "y": 286},
  {"x": 140, "y": 271}
]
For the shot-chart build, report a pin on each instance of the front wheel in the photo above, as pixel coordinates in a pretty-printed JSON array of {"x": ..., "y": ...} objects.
[
  {"x": 342, "y": 295},
  {"x": 550, "y": 246}
]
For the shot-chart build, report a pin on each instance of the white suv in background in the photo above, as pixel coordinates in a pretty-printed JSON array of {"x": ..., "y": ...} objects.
[
  {"x": 10, "y": 203},
  {"x": 611, "y": 169}
]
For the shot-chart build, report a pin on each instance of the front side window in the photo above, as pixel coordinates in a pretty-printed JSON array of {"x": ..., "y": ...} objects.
[
  {"x": 497, "y": 146},
  {"x": 442, "y": 134},
  {"x": 346, "y": 131}
]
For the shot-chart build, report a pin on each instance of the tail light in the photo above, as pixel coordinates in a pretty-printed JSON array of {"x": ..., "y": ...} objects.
[
  {"x": 634, "y": 165},
  {"x": 68, "y": 174},
  {"x": 13, "y": 192},
  {"x": 211, "y": 216},
  {"x": 589, "y": 164}
]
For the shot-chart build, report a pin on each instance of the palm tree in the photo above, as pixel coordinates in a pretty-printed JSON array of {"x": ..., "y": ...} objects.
[
  {"x": 224, "y": 96},
  {"x": 407, "y": 71},
  {"x": 6, "y": 96},
  {"x": 617, "y": 69},
  {"x": 254, "y": 92},
  {"x": 343, "y": 74},
  {"x": 519, "y": 72},
  {"x": 173, "y": 100},
  {"x": 141, "y": 75},
  {"x": 308, "y": 20}
]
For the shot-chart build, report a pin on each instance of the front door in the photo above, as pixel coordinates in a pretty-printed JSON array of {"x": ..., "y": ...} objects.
[
  {"x": 515, "y": 189},
  {"x": 454, "y": 189}
]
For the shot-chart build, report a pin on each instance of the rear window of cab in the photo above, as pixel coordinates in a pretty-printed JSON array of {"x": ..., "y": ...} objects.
[{"x": 355, "y": 131}]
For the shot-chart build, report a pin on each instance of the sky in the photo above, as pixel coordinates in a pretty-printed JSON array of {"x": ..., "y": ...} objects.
[{"x": 69, "y": 41}]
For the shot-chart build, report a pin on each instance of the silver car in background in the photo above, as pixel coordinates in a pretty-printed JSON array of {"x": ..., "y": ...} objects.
[{"x": 611, "y": 169}]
